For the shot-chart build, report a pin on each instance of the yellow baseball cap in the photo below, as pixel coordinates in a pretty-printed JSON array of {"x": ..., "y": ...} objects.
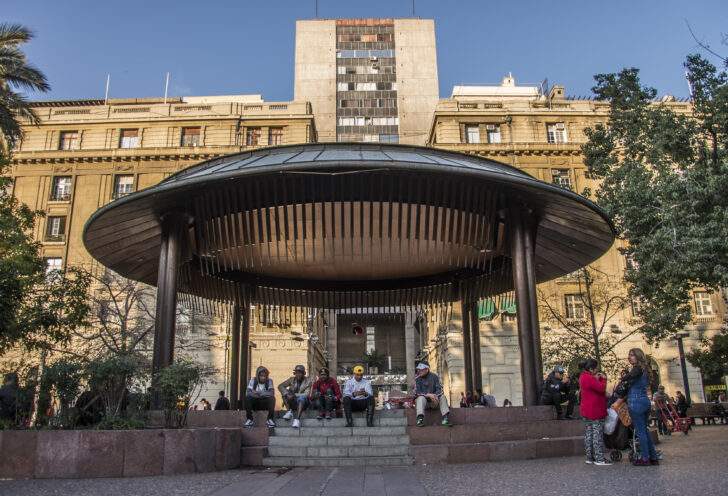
[{"x": 358, "y": 369}]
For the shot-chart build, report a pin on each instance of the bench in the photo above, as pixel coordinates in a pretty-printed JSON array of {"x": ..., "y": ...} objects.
[{"x": 704, "y": 412}]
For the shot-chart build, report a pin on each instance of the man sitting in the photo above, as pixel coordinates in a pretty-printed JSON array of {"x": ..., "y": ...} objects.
[
  {"x": 325, "y": 393},
  {"x": 295, "y": 392},
  {"x": 259, "y": 396},
  {"x": 555, "y": 390},
  {"x": 428, "y": 394},
  {"x": 358, "y": 396}
]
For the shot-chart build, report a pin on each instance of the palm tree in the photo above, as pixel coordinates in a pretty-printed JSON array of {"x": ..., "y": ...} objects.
[{"x": 16, "y": 74}]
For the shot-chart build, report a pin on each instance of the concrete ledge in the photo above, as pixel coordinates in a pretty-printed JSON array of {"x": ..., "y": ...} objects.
[
  {"x": 473, "y": 416},
  {"x": 90, "y": 453}
]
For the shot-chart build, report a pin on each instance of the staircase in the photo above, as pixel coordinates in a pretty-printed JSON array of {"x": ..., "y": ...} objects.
[{"x": 329, "y": 443}]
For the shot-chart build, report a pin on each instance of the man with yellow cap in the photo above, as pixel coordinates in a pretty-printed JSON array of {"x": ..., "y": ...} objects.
[{"x": 358, "y": 396}]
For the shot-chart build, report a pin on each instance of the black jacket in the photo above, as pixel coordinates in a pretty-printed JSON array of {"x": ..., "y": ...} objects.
[
  {"x": 553, "y": 385},
  {"x": 222, "y": 403}
]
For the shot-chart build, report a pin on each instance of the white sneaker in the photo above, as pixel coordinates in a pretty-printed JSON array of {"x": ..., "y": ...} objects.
[
  {"x": 248, "y": 423},
  {"x": 602, "y": 462},
  {"x": 589, "y": 462},
  {"x": 270, "y": 423},
  {"x": 288, "y": 415},
  {"x": 296, "y": 424}
]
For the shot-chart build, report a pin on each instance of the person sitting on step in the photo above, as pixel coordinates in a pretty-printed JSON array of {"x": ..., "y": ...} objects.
[
  {"x": 260, "y": 396},
  {"x": 428, "y": 394},
  {"x": 555, "y": 390},
  {"x": 325, "y": 393},
  {"x": 295, "y": 391},
  {"x": 358, "y": 396}
]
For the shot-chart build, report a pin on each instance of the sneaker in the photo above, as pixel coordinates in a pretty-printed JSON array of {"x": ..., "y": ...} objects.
[
  {"x": 328, "y": 416},
  {"x": 446, "y": 422},
  {"x": 319, "y": 416},
  {"x": 248, "y": 423},
  {"x": 568, "y": 417},
  {"x": 602, "y": 463},
  {"x": 641, "y": 463},
  {"x": 270, "y": 423},
  {"x": 589, "y": 462},
  {"x": 420, "y": 421},
  {"x": 296, "y": 423},
  {"x": 288, "y": 415}
]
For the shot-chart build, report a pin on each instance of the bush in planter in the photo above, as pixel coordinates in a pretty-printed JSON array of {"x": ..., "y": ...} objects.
[
  {"x": 176, "y": 385},
  {"x": 112, "y": 380},
  {"x": 64, "y": 378}
]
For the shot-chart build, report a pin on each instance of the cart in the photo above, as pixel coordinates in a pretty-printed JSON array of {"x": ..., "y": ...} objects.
[{"x": 673, "y": 422}]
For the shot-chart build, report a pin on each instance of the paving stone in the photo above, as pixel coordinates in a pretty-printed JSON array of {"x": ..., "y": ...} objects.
[
  {"x": 100, "y": 453},
  {"x": 57, "y": 454},
  {"x": 144, "y": 453},
  {"x": 18, "y": 450}
]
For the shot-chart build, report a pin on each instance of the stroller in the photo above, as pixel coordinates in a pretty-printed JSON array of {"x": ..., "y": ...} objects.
[{"x": 624, "y": 438}]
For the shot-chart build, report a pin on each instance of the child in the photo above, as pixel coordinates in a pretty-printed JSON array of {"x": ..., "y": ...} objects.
[{"x": 593, "y": 387}]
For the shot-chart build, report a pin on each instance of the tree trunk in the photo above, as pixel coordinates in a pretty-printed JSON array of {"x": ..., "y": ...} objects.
[{"x": 36, "y": 396}]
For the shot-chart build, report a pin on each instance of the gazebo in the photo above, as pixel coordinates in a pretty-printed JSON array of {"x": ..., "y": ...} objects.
[{"x": 340, "y": 226}]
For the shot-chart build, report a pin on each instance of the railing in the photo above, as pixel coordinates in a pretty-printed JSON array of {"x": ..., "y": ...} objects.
[
  {"x": 60, "y": 197},
  {"x": 55, "y": 238}
]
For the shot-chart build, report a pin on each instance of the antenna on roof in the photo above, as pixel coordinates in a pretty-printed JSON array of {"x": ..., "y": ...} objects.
[
  {"x": 316, "y": 9},
  {"x": 413, "y": 8},
  {"x": 166, "y": 86},
  {"x": 106, "y": 97}
]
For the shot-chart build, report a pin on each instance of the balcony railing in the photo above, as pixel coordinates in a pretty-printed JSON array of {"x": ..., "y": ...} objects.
[
  {"x": 55, "y": 238},
  {"x": 61, "y": 196}
]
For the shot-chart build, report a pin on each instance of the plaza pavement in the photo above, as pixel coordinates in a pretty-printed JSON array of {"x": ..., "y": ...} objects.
[{"x": 693, "y": 464}]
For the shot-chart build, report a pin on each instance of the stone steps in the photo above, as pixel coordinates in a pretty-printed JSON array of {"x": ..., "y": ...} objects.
[
  {"x": 329, "y": 443},
  {"x": 367, "y": 461}
]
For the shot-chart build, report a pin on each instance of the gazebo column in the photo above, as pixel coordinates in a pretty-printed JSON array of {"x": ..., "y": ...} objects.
[
  {"x": 409, "y": 345},
  {"x": 525, "y": 285},
  {"x": 530, "y": 246},
  {"x": 170, "y": 254},
  {"x": 467, "y": 345},
  {"x": 475, "y": 346},
  {"x": 235, "y": 377},
  {"x": 245, "y": 313}
]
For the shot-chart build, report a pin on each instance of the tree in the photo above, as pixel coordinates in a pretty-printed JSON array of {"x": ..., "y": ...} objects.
[
  {"x": 664, "y": 182},
  {"x": 712, "y": 357},
  {"x": 16, "y": 74},
  {"x": 584, "y": 330}
]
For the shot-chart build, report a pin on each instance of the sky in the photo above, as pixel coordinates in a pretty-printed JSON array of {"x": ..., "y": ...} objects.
[{"x": 218, "y": 47}]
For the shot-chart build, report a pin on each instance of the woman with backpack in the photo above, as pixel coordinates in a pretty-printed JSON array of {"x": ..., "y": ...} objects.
[{"x": 593, "y": 387}]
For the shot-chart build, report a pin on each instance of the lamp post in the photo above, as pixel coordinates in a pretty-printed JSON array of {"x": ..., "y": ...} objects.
[{"x": 679, "y": 337}]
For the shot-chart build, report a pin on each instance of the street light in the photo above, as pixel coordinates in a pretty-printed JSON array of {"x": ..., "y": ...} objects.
[{"x": 679, "y": 337}]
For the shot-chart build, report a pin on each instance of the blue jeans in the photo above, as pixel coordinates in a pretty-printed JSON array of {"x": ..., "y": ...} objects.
[{"x": 639, "y": 410}]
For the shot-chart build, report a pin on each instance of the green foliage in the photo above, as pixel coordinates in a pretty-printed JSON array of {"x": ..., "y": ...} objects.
[
  {"x": 373, "y": 359},
  {"x": 712, "y": 357},
  {"x": 664, "y": 183},
  {"x": 114, "y": 377},
  {"x": 177, "y": 386},
  {"x": 65, "y": 377},
  {"x": 16, "y": 73}
]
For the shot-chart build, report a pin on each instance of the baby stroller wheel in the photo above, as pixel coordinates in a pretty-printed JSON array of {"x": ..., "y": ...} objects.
[
  {"x": 631, "y": 456},
  {"x": 615, "y": 456}
]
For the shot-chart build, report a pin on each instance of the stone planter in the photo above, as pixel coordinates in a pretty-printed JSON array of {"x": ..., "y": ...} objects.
[{"x": 90, "y": 453}]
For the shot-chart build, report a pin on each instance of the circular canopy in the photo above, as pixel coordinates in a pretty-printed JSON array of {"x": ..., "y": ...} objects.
[{"x": 345, "y": 225}]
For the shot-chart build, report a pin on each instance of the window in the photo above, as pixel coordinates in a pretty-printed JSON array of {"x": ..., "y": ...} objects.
[
  {"x": 56, "y": 229},
  {"x": 389, "y": 138},
  {"x": 252, "y": 136},
  {"x": 275, "y": 135},
  {"x": 493, "y": 132},
  {"x": 69, "y": 140},
  {"x": 129, "y": 138},
  {"x": 560, "y": 177},
  {"x": 508, "y": 317},
  {"x": 472, "y": 134},
  {"x": 61, "y": 189},
  {"x": 53, "y": 266},
  {"x": 556, "y": 132},
  {"x": 637, "y": 304},
  {"x": 703, "y": 303},
  {"x": 123, "y": 185},
  {"x": 575, "y": 308},
  {"x": 190, "y": 136}
]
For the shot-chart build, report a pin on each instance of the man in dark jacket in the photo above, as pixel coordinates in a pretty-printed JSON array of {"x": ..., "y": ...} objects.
[
  {"x": 555, "y": 390},
  {"x": 9, "y": 396},
  {"x": 222, "y": 402},
  {"x": 428, "y": 394},
  {"x": 682, "y": 405}
]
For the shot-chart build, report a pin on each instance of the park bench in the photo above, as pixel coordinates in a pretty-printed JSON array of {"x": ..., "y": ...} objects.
[{"x": 703, "y": 411}]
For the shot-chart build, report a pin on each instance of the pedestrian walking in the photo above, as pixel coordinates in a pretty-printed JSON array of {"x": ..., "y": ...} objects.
[{"x": 222, "y": 402}]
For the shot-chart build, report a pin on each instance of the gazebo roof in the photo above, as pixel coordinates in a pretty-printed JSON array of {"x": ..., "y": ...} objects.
[{"x": 313, "y": 223}]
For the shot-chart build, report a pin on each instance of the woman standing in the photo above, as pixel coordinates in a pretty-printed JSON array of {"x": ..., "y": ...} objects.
[
  {"x": 639, "y": 406},
  {"x": 593, "y": 387}
]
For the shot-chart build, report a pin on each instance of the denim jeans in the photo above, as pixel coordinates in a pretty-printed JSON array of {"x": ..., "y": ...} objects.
[
  {"x": 326, "y": 405},
  {"x": 639, "y": 410}
]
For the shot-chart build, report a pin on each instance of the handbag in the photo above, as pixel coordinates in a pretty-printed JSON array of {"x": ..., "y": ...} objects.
[
  {"x": 620, "y": 406},
  {"x": 610, "y": 423}
]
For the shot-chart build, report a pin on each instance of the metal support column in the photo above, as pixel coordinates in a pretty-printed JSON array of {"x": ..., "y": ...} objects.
[
  {"x": 235, "y": 376},
  {"x": 245, "y": 371},
  {"x": 475, "y": 347},
  {"x": 520, "y": 255},
  {"x": 170, "y": 254},
  {"x": 467, "y": 346},
  {"x": 530, "y": 225}
]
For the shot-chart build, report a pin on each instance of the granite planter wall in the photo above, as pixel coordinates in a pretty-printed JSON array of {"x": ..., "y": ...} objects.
[{"x": 91, "y": 453}]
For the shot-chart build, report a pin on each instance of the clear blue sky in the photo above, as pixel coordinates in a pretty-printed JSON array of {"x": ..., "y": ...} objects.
[{"x": 223, "y": 47}]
